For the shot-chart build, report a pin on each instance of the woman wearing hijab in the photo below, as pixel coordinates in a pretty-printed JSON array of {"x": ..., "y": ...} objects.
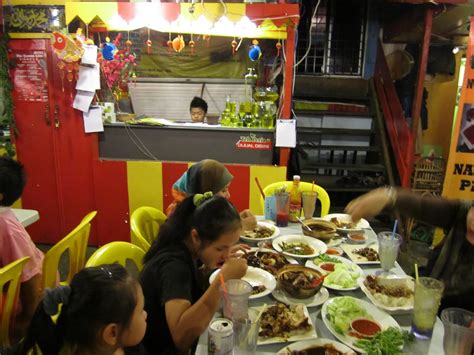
[{"x": 207, "y": 175}]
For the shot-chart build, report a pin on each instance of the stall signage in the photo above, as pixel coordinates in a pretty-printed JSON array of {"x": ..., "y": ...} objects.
[
  {"x": 30, "y": 76},
  {"x": 33, "y": 18},
  {"x": 459, "y": 179},
  {"x": 253, "y": 142}
]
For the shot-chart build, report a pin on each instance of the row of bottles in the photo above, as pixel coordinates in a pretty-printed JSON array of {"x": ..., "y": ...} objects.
[{"x": 250, "y": 114}]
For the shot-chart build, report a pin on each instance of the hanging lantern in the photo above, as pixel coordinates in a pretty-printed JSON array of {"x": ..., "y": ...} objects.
[
  {"x": 255, "y": 52},
  {"x": 192, "y": 44},
  {"x": 178, "y": 43},
  {"x": 207, "y": 38},
  {"x": 234, "y": 46},
  {"x": 148, "y": 46},
  {"x": 169, "y": 43},
  {"x": 278, "y": 47}
]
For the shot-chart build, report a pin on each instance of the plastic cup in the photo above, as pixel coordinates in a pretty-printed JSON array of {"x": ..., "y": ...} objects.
[
  {"x": 270, "y": 208},
  {"x": 246, "y": 333},
  {"x": 282, "y": 209},
  {"x": 458, "y": 336},
  {"x": 428, "y": 293},
  {"x": 236, "y": 302},
  {"x": 388, "y": 249},
  {"x": 309, "y": 203}
]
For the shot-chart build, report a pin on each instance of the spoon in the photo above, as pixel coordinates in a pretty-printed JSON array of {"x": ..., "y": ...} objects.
[
  {"x": 261, "y": 245},
  {"x": 304, "y": 225}
]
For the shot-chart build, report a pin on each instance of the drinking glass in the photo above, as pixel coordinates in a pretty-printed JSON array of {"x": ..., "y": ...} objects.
[
  {"x": 428, "y": 293},
  {"x": 388, "y": 249},
  {"x": 309, "y": 203},
  {"x": 235, "y": 301},
  {"x": 270, "y": 208},
  {"x": 246, "y": 333},
  {"x": 458, "y": 333},
  {"x": 282, "y": 208}
]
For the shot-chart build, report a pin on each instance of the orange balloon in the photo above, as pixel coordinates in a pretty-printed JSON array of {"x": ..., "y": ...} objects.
[{"x": 178, "y": 43}]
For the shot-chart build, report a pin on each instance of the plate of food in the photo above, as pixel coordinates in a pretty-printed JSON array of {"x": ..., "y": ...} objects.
[
  {"x": 262, "y": 282},
  {"x": 362, "y": 255},
  {"x": 313, "y": 301},
  {"x": 299, "y": 246},
  {"x": 285, "y": 323},
  {"x": 345, "y": 224},
  {"x": 341, "y": 273},
  {"x": 268, "y": 260},
  {"x": 350, "y": 319},
  {"x": 317, "y": 346},
  {"x": 263, "y": 231},
  {"x": 389, "y": 292}
]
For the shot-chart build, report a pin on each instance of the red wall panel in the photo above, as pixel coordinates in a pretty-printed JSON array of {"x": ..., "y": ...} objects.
[
  {"x": 171, "y": 172},
  {"x": 240, "y": 186}
]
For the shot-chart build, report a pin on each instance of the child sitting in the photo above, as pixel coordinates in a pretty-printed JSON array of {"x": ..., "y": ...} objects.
[
  {"x": 102, "y": 313},
  {"x": 16, "y": 243}
]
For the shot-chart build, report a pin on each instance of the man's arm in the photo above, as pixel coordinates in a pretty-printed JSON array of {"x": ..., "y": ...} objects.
[{"x": 30, "y": 292}]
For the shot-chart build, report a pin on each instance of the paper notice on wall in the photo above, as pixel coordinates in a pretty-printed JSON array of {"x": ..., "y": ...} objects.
[
  {"x": 83, "y": 100},
  {"x": 285, "y": 133},
  {"x": 93, "y": 120},
  {"x": 89, "y": 57},
  {"x": 89, "y": 78}
]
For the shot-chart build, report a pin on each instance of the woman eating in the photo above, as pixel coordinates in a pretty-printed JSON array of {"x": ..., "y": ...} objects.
[{"x": 203, "y": 228}]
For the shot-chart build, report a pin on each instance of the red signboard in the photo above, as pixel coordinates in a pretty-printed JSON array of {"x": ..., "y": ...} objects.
[{"x": 253, "y": 142}]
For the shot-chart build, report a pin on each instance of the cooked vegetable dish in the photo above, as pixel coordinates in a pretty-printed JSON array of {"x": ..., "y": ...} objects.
[
  {"x": 344, "y": 225},
  {"x": 368, "y": 253},
  {"x": 301, "y": 279},
  {"x": 258, "y": 289},
  {"x": 260, "y": 232},
  {"x": 296, "y": 248},
  {"x": 271, "y": 262}
]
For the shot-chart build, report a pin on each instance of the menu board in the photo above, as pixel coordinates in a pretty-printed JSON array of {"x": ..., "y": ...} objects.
[{"x": 30, "y": 76}]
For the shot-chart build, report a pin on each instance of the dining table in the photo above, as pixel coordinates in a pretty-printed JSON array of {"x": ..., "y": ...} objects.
[
  {"x": 25, "y": 216},
  {"x": 433, "y": 346}
]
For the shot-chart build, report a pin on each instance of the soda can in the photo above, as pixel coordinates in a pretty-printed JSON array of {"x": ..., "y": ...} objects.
[{"x": 220, "y": 339}]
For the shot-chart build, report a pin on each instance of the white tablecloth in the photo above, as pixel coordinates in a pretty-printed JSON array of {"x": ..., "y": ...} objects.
[
  {"x": 431, "y": 347},
  {"x": 26, "y": 217}
]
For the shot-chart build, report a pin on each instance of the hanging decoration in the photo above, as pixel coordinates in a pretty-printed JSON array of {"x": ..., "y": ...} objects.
[
  {"x": 169, "y": 43},
  {"x": 178, "y": 43},
  {"x": 121, "y": 68},
  {"x": 192, "y": 44},
  {"x": 255, "y": 52},
  {"x": 108, "y": 49},
  {"x": 234, "y": 46},
  {"x": 278, "y": 47},
  {"x": 207, "y": 38},
  {"x": 68, "y": 51},
  {"x": 148, "y": 43}
]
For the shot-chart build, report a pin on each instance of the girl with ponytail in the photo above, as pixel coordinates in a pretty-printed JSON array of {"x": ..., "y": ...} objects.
[
  {"x": 101, "y": 313},
  {"x": 203, "y": 228}
]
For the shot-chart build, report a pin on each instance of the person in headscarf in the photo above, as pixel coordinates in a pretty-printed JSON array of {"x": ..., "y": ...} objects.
[{"x": 207, "y": 175}]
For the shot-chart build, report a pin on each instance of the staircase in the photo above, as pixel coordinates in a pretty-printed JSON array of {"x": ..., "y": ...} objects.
[{"x": 341, "y": 142}]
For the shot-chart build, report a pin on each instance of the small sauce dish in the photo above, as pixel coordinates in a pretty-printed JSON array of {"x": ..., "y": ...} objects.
[
  {"x": 365, "y": 328},
  {"x": 357, "y": 238}
]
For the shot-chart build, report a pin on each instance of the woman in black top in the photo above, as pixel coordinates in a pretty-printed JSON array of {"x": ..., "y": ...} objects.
[{"x": 202, "y": 228}]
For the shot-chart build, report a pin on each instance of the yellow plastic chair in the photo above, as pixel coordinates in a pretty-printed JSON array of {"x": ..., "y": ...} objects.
[
  {"x": 75, "y": 243},
  {"x": 117, "y": 252},
  {"x": 323, "y": 196},
  {"x": 9, "y": 275},
  {"x": 145, "y": 223}
]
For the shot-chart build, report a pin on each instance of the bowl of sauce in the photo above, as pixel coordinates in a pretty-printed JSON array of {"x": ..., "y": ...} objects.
[{"x": 365, "y": 328}]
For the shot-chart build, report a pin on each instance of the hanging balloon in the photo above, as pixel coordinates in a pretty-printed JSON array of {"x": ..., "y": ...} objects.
[
  {"x": 178, "y": 43},
  {"x": 255, "y": 53},
  {"x": 108, "y": 51}
]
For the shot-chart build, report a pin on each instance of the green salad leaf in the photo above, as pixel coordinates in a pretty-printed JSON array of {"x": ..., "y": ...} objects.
[
  {"x": 324, "y": 258},
  {"x": 386, "y": 342},
  {"x": 342, "y": 311},
  {"x": 344, "y": 276}
]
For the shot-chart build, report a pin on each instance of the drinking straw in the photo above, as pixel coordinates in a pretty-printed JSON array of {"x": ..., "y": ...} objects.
[
  {"x": 394, "y": 228},
  {"x": 312, "y": 186},
  {"x": 260, "y": 187},
  {"x": 416, "y": 274},
  {"x": 226, "y": 294}
]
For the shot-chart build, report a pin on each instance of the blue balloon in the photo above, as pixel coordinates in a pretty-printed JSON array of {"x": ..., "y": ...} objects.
[
  {"x": 108, "y": 51},
  {"x": 255, "y": 53}
]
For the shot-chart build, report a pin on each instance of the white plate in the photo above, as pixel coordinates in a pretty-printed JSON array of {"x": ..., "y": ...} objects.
[
  {"x": 276, "y": 232},
  {"x": 304, "y": 345},
  {"x": 318, "y": 246},
  {"x": 255, "y": 276},
  {"x": 309, "y": 334},
  {"x": 383, "y": 318},
  {"x": 313, "y": 301},
  {"x": 406, "y": 280},
  {"x": 311, "y": 264},
  {"x": 358, "y": 259},
  {"x": 347, "y": 218}
]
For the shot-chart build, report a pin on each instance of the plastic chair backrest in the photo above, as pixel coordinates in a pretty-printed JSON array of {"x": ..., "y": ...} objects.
[
  {"x": 323, "y": 196},
  {"x": 145, "y": 223},
  {"x": 76, "y": 244},
  {"x": 9, "y": 275},
  {"x": 117, "y": 252}
]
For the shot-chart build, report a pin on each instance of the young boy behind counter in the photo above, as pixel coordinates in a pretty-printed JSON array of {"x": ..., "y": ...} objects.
[{"x": 198, "y": 110}]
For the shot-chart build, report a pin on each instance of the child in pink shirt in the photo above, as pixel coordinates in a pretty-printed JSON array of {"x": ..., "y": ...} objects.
[{"x": 16, "y": 243}]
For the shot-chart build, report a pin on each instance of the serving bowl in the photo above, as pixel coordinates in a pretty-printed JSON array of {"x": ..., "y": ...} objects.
[
  {"x": 320, "y": 229},
  {"x": 299, "y": 281}
]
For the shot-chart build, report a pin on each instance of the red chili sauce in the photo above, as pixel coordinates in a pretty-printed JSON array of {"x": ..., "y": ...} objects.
[
  {"x": 357, "y": 236},
  {"x": 331, "y": 251},
  {"x": 327, "y": 266},
  {"x": 366, "y": 327}
]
